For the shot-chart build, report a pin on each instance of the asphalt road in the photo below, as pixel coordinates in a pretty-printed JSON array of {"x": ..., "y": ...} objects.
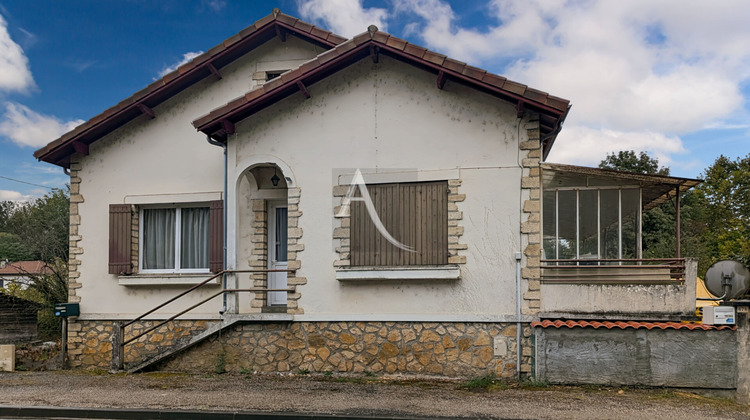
[{"x": 303, "y": 396}]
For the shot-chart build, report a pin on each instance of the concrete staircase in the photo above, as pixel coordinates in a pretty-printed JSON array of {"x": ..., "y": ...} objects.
[
  {"x": 208, "y": 332},
  {"x": 226, "y": 322}
]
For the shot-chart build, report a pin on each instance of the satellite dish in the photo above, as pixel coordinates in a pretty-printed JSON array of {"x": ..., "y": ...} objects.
[{"x": 729, "y": 278}]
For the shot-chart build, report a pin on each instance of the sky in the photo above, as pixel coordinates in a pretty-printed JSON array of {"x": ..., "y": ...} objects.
[{"x": 669, "y": 77}]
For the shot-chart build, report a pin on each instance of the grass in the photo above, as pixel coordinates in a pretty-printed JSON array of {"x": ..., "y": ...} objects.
[
  {"x": 534, "y": 384},
  {"x": 487, "y": 382},
  {"x": 221, "y": 363},
  {"x": 303, "y": 372}
]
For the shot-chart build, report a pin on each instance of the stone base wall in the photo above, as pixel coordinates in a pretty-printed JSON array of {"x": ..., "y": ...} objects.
[
  {"x": 90, "y": 342},
  {"x": 439, "y": 349}
]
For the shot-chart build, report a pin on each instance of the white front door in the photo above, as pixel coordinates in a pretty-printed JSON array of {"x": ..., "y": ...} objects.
[{"x": 277, "y": 249}]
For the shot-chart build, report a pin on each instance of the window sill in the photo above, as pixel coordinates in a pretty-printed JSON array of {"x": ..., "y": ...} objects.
[
  {"x": 441, "y": 272},
  {"x": 166, "y": 279}
]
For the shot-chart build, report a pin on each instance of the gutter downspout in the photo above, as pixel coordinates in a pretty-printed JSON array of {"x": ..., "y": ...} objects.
[
  {"x": 224, "y": 276},
  {"x": 518, "y": 315},
  {"x": 519, "y": 255}
]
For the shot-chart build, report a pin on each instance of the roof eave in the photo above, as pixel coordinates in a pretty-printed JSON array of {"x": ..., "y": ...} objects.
[
  {"x": 278, "y": 89},
  {"x": 58, "y": 151}
]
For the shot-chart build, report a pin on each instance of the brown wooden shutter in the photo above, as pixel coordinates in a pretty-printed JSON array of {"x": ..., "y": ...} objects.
[
  {"x": 216, "y": 237},
  {"x": 120, "y": 219},
  {"x": 415, "y": 214}
]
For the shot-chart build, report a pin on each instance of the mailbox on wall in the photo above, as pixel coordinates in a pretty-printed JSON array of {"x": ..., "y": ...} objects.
[{"x": 67, "y": 309}]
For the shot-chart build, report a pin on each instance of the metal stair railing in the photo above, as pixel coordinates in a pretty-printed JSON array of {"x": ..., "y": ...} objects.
[{"x": 118, "y": 330}]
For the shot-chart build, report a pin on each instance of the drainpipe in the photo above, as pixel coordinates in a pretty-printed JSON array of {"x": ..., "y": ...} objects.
[
  {"x": 518, "y": 315},
  {"x": 519, "y": 255},
  {"x": 224, "y": 276}
]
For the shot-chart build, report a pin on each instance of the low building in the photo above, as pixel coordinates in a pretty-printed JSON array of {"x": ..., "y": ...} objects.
[{"x": 345, "y": 205}]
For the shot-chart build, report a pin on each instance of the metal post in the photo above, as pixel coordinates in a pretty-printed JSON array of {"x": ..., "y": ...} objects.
[
  {"x": 64, "y": 343},
  {"x": 677, "y": 220}
]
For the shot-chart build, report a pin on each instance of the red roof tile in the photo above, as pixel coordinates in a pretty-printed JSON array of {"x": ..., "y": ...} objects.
[
  {"x": 58, "y": 151},
  {"x": 558, "y": 323},
  {"x": 25, "y": 267}
]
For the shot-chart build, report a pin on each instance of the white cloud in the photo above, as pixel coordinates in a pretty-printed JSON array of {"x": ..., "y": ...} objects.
[
  {"x": 581, "y": 145},
  {"x": 14, "y": 66},
  {"x": 28, "y": 128},
  {"x": 215, "y": 5},
  {"x": 637, "y": 68},
  {"x": 185, "y": 58},
  {"x": 7, "y": 195},
  {"x": 343, "y": 17}
]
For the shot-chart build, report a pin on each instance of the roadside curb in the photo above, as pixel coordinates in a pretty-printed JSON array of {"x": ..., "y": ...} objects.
[{"x": 167, "y": 414}]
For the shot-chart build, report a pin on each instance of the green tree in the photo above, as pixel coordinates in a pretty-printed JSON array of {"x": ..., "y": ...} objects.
[
  {"x": 41, "y": 228},
  {"x": 12, "y": 249},
  {"x": 726, "y": 194},
  {"x": 627, "y": 160}
]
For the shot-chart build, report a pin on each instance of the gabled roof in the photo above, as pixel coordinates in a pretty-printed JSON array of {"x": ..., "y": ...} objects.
[
  {"x": 552, "y": 110},
  {"x": 22, "y": 268},
  {"x": 205, "y": 65}
]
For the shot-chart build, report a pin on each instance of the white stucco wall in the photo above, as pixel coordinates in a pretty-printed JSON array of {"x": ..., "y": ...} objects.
[
  {"x": 391, "y": 115},
  {"x": 147, "y": 159}
]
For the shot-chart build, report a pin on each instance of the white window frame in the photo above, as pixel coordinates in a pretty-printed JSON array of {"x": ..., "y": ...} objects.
[
  {"x": 598, "y": 189},
  {"x": 178, "y": 237}
]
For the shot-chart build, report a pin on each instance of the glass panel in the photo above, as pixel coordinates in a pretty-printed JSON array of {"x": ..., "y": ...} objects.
[
  {"x": 630, "y": 223},
  {"x": 587, "y": 226},
  {"x": 548, "y": 225},
  {"x": 281, "y": 234},
  {"x": 158, "y": 239},
  {"x": 609, "y": 221},
  {"x": 194, "y": 238},
  {"x": 566, "y": 204}
]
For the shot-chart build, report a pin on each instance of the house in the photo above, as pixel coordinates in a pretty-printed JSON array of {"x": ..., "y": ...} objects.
[
  {"x": 325, "y": 204},
  {"x": 21, "y": 271}
]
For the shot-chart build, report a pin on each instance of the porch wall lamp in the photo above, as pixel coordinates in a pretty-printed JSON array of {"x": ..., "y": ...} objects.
[{"x": 275, "y": 178}]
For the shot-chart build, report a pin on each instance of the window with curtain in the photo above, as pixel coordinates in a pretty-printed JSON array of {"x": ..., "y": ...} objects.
[{"x": 175, "y": 239}]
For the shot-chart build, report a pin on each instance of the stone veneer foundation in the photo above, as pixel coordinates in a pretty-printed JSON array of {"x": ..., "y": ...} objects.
[{"x": 410, "y": 348}]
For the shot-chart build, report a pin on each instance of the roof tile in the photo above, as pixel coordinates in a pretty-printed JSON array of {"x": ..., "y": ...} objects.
[
  {"x": 289, "y": 76},
  {"x": 253, "y": 94},
  {"x": 415, "y": 50},
  {"x": 493, "y": 80},
  {"x": 381, "y": 37},
  {"x": 514, "y": 87},
  {"x": 215, "y": 50},
  {"x": 289, "y": 20},
  {"x": 557, "y": 103},
  {"x": 308, "y": 65},
  {"x": 248, "y": 31},
  {"x": 186, "y": 67},
  {"x": 336, "y": 39},
  {"x": 474, "y": 72},
  {"x": 170, "y": 76},
  {"x": 328, "y": 56},
  {"x": 434, "y": 57},
  {"x": 558, "y": 323},
  {"x": 455, "y": 65},
  {"x": 320, "y": 33},
  {"x": 303, "y": 26},
  {"x": 343, "y": 48},
  {"x": 265, "y": 20},
  {"x": 536, "y": 95},
  {"x": 396, "y": 43},
  {"x": 361, "y": 38},
  {"x": 232, "y": 40},
  {"x": 272, "y": 84}
]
